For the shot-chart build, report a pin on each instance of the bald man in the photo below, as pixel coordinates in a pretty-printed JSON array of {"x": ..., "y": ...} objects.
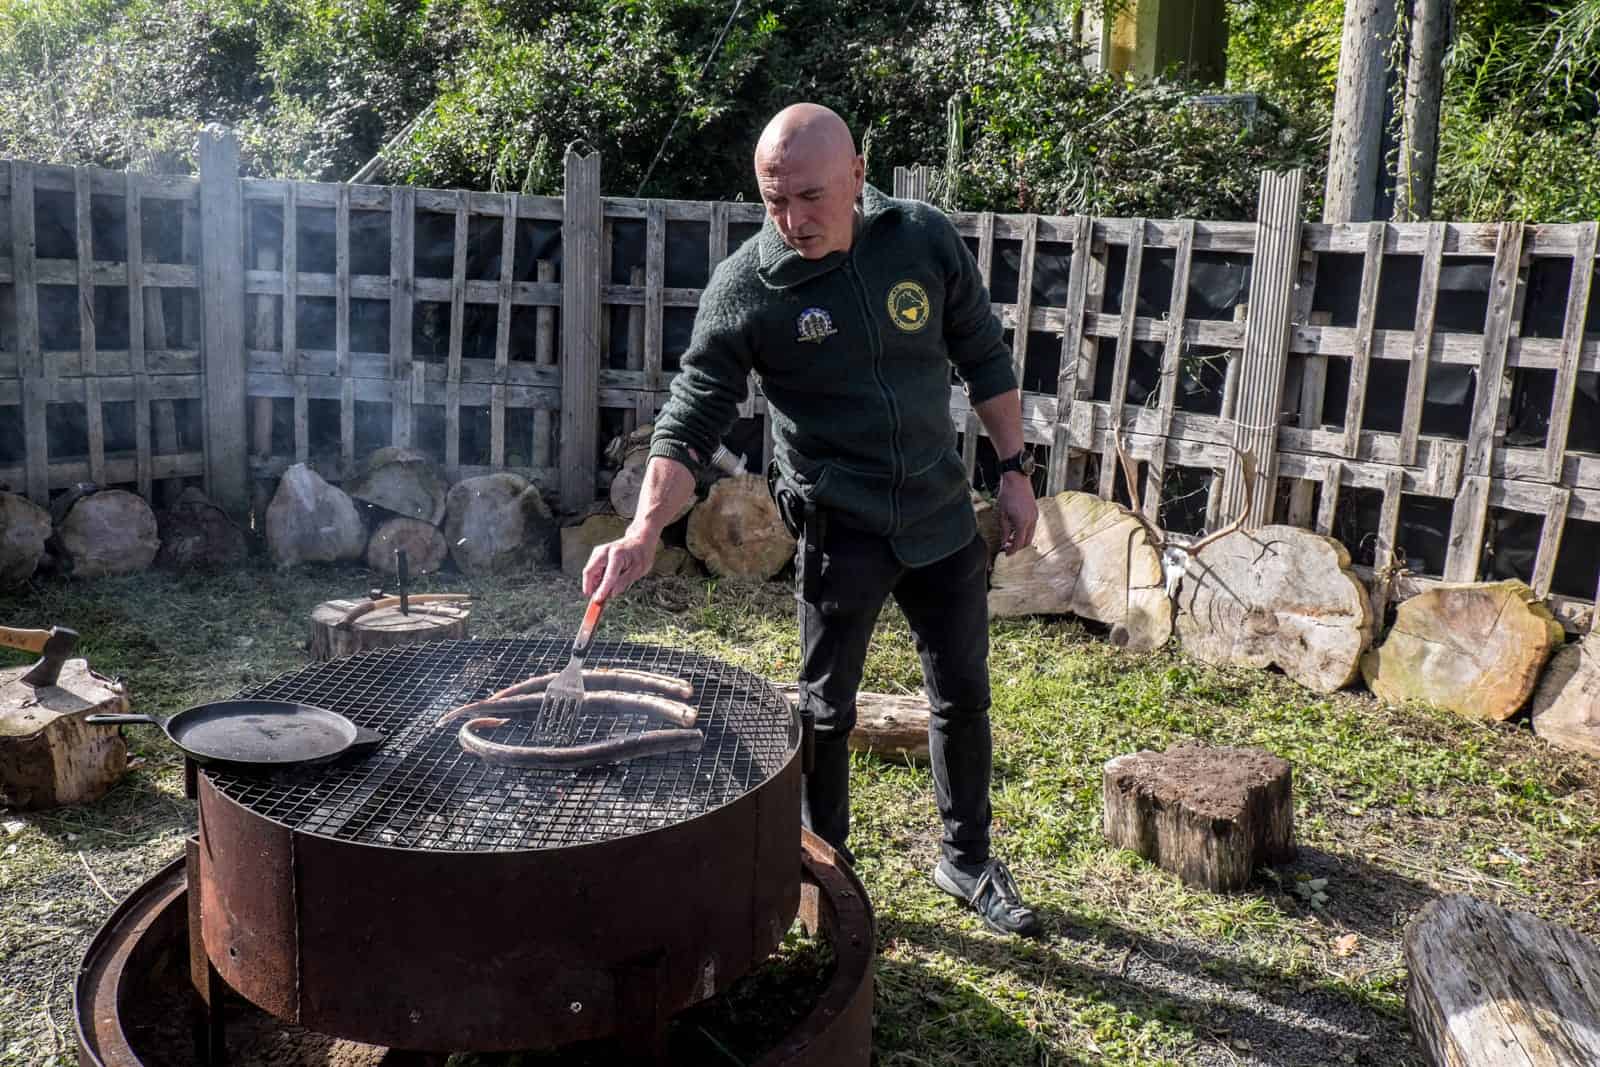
[{"x": 853, "y": 307}]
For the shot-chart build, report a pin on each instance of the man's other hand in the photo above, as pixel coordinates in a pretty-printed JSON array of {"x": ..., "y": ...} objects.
[
  {"x": 616, "y": 565},
  {"x": 1018, "y": 512}
]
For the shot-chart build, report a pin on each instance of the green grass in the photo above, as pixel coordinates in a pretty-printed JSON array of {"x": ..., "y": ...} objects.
[{"x": 1393, "y": 808}]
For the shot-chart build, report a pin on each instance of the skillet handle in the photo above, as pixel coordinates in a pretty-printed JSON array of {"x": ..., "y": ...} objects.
[
  {"x": 122, "y": 720},
  {"x": 365, "y": 741}
]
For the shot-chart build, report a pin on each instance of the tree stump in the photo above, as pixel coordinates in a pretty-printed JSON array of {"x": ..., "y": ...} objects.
[
  {"x": 1566, "y": 706},
  {"x": 1208, "y": 815},
  {"x": 1475, "y": 649},
  {"x": 195, "y": 533},
  {"x": 1091, "y": 558},
  {"x": 312, "y": 521},
  {"x": 1490, "y": 986},
  {"x": 422, "y": 543},
  {"x": 48, "y": 755},
  {"x": 736, "y": 530},
  {"x": 404, "y": 482},
  {"x": 24, "y": 528},
  {"x": 888, "y": 725},
  {"x": 109, "y": 532},
  {"x": 383, "y": 627},
  {"x": 496, "y": 522},
  {"x": 1277, "y": 595}
]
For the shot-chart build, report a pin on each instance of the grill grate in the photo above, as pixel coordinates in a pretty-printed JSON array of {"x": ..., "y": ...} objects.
[{"x": 420, "y": 791}]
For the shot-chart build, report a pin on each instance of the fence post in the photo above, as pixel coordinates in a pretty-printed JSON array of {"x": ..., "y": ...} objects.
[
  {"x": 222, "y": 329},
  {"x": 1264, "y": 363},
  {"x": 580, "y": 330}
]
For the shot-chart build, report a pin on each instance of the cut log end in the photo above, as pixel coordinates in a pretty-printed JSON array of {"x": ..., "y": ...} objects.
[
  {"x": 1208, "y": 815},
  {"x": 383, "y": 628},
  {"x": 736, "y": 530},
  {"x": 49, "y": 756}
]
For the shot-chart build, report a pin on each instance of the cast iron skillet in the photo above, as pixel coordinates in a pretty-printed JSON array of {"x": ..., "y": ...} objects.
[{"x": 257, "y": 734}]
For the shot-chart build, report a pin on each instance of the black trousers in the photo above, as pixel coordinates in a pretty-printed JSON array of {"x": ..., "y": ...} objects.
[{"x": 946, "y": 604}]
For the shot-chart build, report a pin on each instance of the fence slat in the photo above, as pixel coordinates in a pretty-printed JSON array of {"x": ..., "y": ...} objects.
[
  {"x": 341, "y": 329},
  {"x": 35, "y": 385},
  {"x": 1421, "y": 344},
  {"x": 1555, "y": 522},
  {"x": 222, "y": 329},
  {"x": 655, "y": 276},
  {"x": 1177, "y": 307},
  {"x": 458, "y": 329},
  {"x": 502, "y": 333},
  {"x": 1024, "y": 305},
  {"x": 1496, "y": 333},
  {"x": 1263, "y": 364},
  {"x": 1328, "y": 503},
  {"x": 1465, "y": 546},
  {"x": 1128, "y": 312},
  {"x": 544, "y": 354},
  {"x": 402, "y": 289},
  {"x": 1067, "y": 385},
  {"x": 1313, "y": 380},
  {"x": 1555, "y": 446},
  {"x": 1366, "y": 318},
  {"x": 580, "y": 330},
  {"x": 134, "y": 215},
  {"x": 88, "y": 344}
]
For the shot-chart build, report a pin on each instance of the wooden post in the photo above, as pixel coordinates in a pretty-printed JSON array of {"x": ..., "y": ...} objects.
[
  {"x": 1421, "y": 344},
  {"x": 1068, "y": 388},
  {"x": 87, "y": 344},
  {"x": 544, "y": 354},
  {"x": 35, "y": 387},
  {"x": 1366, "y": 318},
  {"x": 222, "y": 331},
  {"x": 502, "y": 331},
  {"x": 580, "y": 330},
  {"x": 341, "y": 330},
  {"x": 134, "y": 213},
  {"x": 1360, "y": 106},
  {"x": 458, "y": 320},
  {"x": 1419, "y": 132},
  {"x": 1264, "y": 362},
  {"x": 402, "y": 291},
  {"x": 1571, "y": 343}
]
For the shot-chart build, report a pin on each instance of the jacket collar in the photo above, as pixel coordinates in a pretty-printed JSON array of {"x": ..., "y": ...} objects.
[{"x": 781, "y": 267}]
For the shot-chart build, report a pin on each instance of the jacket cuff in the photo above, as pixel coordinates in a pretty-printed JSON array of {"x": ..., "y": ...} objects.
[
  {"x": 990, "y": 378},
  {"x": 674, "y": 450}
]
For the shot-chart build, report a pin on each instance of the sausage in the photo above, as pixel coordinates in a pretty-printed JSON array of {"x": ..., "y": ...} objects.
[
  {"x": 602, "y": 701},
  {"x": 571, "y": 757},
  {"x": 608, "y": 679}
]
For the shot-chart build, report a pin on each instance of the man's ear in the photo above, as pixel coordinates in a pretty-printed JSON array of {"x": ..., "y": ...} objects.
[{"x": 858, "y": 172}]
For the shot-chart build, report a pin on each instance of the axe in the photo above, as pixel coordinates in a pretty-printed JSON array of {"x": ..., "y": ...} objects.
[{"x": 53, "y": 645}]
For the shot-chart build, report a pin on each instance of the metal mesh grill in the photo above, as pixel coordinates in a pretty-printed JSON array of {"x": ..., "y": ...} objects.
[{"x": 420, "y": 791}]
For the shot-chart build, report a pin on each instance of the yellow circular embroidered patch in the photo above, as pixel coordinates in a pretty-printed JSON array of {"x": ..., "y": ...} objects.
[{"x": 908, "y": 306}]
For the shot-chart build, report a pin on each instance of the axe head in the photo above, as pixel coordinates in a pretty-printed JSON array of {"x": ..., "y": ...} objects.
[{"x": 57, "y": 648}]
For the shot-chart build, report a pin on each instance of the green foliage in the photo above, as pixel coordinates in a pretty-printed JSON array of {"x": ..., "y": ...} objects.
[{"x": 1288, "y": 49}]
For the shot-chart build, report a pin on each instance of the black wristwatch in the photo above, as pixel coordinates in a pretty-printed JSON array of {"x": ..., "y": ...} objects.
[{"x": 1022, "y": 463}]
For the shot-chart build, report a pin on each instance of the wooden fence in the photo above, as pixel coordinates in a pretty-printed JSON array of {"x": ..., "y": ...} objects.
[{"x": 239, "y": 325}]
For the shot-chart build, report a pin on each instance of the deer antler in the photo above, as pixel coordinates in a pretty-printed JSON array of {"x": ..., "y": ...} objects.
[
  {"x": 1130, "y": 473},
  {"x": 1247, "y": 469},
  {"x": 1158, "y": 538}
]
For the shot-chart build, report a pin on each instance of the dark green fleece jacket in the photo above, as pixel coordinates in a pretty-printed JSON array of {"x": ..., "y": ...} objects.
[{"x": 854, "y": 353}]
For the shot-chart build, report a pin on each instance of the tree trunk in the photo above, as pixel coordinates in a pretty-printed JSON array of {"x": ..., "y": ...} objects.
[
  {"x": 422, "y": 543},
  {"x": 48, "y": 755},
  {"x": 109, "y": 532},
  {"x": 1566, "y": 707},
  {"x": 24, "y": 528},
  {"x": 1208, "y": 815},
  {"x": 1091, "y": 558},
  {"x": 1419, "y": 133},
  {"x": 736, "y": 530},
  {"x": 1475, "y": 649},
  {"x": 1280, "y": 596},
  {"x": 383, "y": 628},
  {"x": 1360, "y": 111},
  {"x": 1490, "y": 986},
  {"x": 888, "y": 726}
]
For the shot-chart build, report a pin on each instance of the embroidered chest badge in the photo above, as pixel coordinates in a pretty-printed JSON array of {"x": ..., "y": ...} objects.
[
  {"x": 909, "y": 308},
  {"x": 814, "y": 326}
]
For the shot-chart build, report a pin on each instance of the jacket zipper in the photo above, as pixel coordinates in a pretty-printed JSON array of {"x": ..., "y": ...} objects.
[{"x": 897, "y": 464}]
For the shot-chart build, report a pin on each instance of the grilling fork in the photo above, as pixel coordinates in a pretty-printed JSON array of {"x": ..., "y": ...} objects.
[{"x": 564, "y": 695}]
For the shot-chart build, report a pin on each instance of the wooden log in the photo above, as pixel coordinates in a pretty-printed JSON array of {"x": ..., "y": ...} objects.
[
  {"x": 404, "y": 482},
  {"x": 109, "y": 532},
  {"x": 988, "y": 524},
  {"x": 1491, "y": 986},
  {"x": 1280, "y": 596},
  {"x": 312, "y": 521},
  {"x": 422, "y": 542},
  {"x": 195, "y": 533},
  {"x": 1208, "y": 815},
  {"x": 578, "y": 541},
  {"x": 888, "y": 725},
  {"x": 382, "y": 628},
  {"x": 1091, "y": 558},
  {"x": 495, "y": 523},
  {"x": 1566, "y": 706},
  {"x": 736, "y": 530},
  {"x": 1474, "y": 648},
  {"x": 48, "y": 755},
  {"x": 24, "y": 528}
]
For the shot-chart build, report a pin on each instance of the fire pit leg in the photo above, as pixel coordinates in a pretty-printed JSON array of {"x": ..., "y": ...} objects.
[
  {"x": 642, "y": 1025},
  {"x": 210, "y": 1036}
]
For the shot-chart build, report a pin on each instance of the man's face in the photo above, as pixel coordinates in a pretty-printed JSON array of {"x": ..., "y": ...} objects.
[{"x": 811, "y": 198}]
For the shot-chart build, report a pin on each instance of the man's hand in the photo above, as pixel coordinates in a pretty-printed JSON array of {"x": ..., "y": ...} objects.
[
  {"x": 614, "y": 566},
  {"x": 1018, "y": 512}
]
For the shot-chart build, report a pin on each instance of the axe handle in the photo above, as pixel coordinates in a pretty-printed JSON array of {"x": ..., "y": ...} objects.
[
  {"x": 390, "y": 601},
  {"x": 27, "y": 640}
]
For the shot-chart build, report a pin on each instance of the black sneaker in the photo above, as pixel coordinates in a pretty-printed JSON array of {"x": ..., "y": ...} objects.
[{"x": 991, "y": 892}]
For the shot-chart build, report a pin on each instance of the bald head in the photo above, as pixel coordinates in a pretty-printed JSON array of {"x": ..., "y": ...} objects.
[{"x": 810, "y": 177}]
